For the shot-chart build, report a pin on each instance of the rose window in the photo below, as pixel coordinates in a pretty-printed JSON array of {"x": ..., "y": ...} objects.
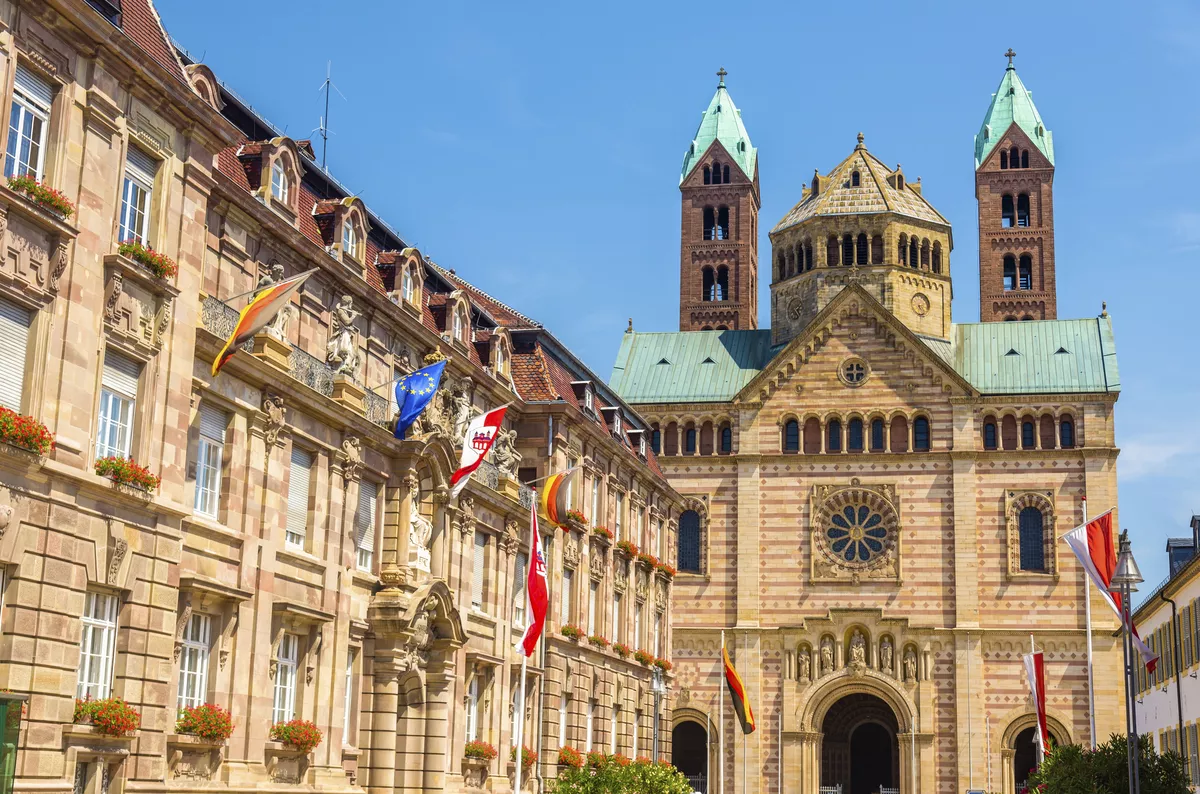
[
  {"x": 856, "y": 534},
  {"x": 856, "y": 527}
]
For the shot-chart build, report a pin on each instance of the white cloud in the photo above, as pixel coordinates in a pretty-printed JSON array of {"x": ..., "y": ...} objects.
[{"x": 1155, "y": 454}]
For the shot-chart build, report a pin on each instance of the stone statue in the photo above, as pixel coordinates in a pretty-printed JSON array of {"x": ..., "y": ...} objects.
[
  {"x": 885, "y": 655},
  {"x": 805, "y": 667},
  {"x": 270, "y": 276},
  {"x": 826, "y": 656},
  {"x": 461, "y": 402},
  {"x": 910, "y": 665},
  {"x": 858, "y": 649},
  {"x": 505, "y": 455},
  {"x": 341, "y": 352},
  {"x": 420, "y": 531}
]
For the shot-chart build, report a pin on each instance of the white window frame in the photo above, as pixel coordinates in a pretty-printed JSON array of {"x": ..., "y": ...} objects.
[
  {"x": 97, "y": 646},
  {"x": 472, "y": 716},
  {"x": 613, "y": 722},
  {"x": 193, "y": 661},
  {"x": 348, "y": 700},
  {"x": 137, "y": 195},
  {"x": 564, "y": 707},
  {"x": 572, "y": 462},
  {"x": 30, "y": 107},
  {"x": 590, "y": 727},
  {"x": 280, "y": 184},
  {"x": 287, "y": 664},
  {"x": 406, "y": 284},
  {"x": 118, "y": 402},
  {"x": 593, "y": 597},
  {"x": 210, "y": 449},
  {"x": 637, "y": 721},
  {"x": 616, "y": 617},
  {"x": 349, "y": 239},
  {"x": 637, "y": 627},
  {"x": 618, "y": 509},
  {"x": 295, "y": 535},
  {"x": 568, "y": 582},
  {"x": 596, "y": 501},
  {"x": 366, "y": 526},
  {"x": 479, "y": 571},
  {"x": 658, "y": 621}
]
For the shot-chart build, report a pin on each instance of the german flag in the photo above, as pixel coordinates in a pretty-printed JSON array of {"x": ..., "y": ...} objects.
[
  {"x": 737, "y": 692},
  {"x": 554, "y": 496},
  {"x": 258, "y": 312}
]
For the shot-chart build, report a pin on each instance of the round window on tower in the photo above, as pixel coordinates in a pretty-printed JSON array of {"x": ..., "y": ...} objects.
[{"x": 854, "y": 372}]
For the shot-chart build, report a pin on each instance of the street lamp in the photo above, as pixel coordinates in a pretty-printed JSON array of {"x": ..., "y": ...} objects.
[
  {"x": 659, "y": 688},
  {"x": 1124, "y": 582}
]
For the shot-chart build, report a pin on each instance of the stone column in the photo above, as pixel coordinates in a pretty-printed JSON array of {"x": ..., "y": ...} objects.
[
  {"x": 381, "y": 755},
  {"x": 439, "y": 691}
]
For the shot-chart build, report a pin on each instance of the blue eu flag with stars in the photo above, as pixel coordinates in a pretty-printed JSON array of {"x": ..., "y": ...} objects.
[{"x": 413, "y": 393}]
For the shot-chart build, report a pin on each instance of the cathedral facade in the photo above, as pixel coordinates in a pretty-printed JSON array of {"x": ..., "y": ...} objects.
[{"x": 872, "y": 493}]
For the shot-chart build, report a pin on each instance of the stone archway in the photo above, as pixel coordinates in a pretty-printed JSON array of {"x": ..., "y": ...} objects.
[
  {"x": 860, "y": 750},
  {"x": 1017, "y": 750},
  {"x": 689, "y": 753}
]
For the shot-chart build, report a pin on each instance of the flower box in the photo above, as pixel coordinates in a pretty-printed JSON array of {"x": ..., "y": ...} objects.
[
  {"x": 664, "y": 665},
  {"x": 602, "y": 532},
  {"x": 666, "y": 570},
  {"x": 124, "y": 471},
  {"x": 208, "y": 722},
  {"x": 621, "y": 649},
  {"x": 160, "y": 265},
  {"x": 569, "y": 756},
  {"x": 571, "y": 632},
  {"x": 628, "y": 548},
  {"x": 300, "y": 735},
  {"x": 285, "y": 762},
  {"x": 42, "y": 195},
  {"x": 643, "y": 657},
  {"x": 475, "y": 772},
  {"x": 528, "y": 757},
  {"x": 193, "y": 757},
  {"x": 577, "y": 518},
  {"x": 598, "y": 641},
  {"x": 596, "y": 759},
  {"x": 25, "y": 433},
  {"x": 648, "y": 560},
  {"x": 109, "y": 716}
]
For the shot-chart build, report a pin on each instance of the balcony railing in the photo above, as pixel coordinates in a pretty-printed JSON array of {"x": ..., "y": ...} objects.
[
  {"x": 379, "y": 409},
  {"x": 489, "y": 475}
]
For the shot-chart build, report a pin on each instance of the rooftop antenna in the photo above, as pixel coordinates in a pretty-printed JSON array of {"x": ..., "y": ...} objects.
[{"x": 323, "y": 130}]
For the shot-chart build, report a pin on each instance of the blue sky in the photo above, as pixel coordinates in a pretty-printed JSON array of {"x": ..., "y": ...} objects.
[{"x": 536, "y": 150}]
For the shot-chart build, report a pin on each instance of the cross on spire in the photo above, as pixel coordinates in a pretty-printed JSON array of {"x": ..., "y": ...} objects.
[
  {"x": 1010, "y": 55},
  {"x": 721, "y": 74}
]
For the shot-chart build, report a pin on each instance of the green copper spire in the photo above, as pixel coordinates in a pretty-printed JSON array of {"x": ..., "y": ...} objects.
[
  {"x": 1012, "y": 103},
  {"x": 722, "y": 122}
]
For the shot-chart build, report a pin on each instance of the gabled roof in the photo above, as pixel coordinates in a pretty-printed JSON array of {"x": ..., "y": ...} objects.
[
  {"x": 1038, "y": 356},
  {"x": 674, "y": 367},
  {"x": 722, "y": 121},
  {"x": 875, "y": 193},
  {"x": 1012, "y": 104}
]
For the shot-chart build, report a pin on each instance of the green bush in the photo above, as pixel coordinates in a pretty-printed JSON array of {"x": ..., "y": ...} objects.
[
  {"x": 640, "y": 776},
  {"x": 1071, "y": 769}
]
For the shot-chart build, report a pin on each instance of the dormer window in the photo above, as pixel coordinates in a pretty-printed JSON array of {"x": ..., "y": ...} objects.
[
  {"x": 406, "y": 285},
  {"x": 642, "y": 446},
  {"x": 462, "y": 324},
  {"x": 349, "y": 239},
  {"x": 589, "y": 400},
  {"x": 279, "y": 181}
]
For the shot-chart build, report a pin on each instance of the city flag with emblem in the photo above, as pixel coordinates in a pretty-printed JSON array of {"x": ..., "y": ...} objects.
[
  {"x": 537, "y": 591},
  {"x": 414, "y": 392},
  {"x": 481, "y": 434},
  {"x": 737, "y": 692}
]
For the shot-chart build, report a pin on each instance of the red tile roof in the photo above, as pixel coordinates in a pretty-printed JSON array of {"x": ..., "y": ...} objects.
[{"x": 141, "y": 23}]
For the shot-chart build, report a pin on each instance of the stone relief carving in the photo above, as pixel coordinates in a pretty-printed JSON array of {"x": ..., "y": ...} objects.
[
  {"x": 571, "y": 553},
  {"x": 826, "y": 656},
  {"x": 272, "y": 406},
  {"x": 641, "y": 588},
  {"x": 112, "y": 294},
  {"x": 910, "y": 666},
  {"x": 60, "y": 263},
  {"x": 118, "y": 555},
  {"x": 505, "y": 455},
  {"x": 420, "y": 641},
  {"x": 660, "y": 596},
  {"x": 510, "y": 540},
  {"x": 885, "y": 655},
  {"x": 351, "y": 459},
  {"x": 621, "y": 577},
  {"x": 342, "y": 353},
  {"x": 858, "y": 652},
  {"x": 596, "y": 565},
  {"x": 805, "y": 667}
]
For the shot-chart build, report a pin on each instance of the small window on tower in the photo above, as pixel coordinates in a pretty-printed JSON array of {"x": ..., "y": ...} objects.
[{"x": 855, "y": 180}]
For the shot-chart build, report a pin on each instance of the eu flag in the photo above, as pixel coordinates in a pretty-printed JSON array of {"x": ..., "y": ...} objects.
[{"x": 414, "y": 392}]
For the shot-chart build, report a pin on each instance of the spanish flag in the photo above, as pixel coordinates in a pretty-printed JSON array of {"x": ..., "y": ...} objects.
[
  {"x": 554, "y": 496},
  {"x": 737, "y": 692},
  {"x": 258, "y": 312}
]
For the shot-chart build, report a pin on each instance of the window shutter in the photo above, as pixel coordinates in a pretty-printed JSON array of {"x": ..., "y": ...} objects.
[
  {"x": 519, "y": 580},
  {"x": 364, "y": 519},
  {"x": 14, "y": 341},
  {"x": 34, "y": 87},
  {"x": 477, "y": 571},
  {"x": 140, "y": 166},
  {"x": 121, "y": 374},
  {"x": 212, "y": 423},
  {"x": 298, "y": 483}
]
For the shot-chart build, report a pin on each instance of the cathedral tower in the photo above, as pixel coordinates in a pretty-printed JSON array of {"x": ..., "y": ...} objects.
[
  {"x": 718, "y": 250},
  {"x": 1014, "y": 178}
]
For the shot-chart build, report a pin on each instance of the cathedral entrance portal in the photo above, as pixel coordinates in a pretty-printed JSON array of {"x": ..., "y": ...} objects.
[
  {"x": 860, "y": 751},
  {"x": 689, "y": 753}
]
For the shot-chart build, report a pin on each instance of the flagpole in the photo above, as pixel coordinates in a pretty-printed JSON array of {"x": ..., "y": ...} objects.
[
  {"x": 1087, "y": 619},
  {"x": 721, "y": 719},
  {"x": 744, "y": 749},
  {"x": 260, "y": 289},
  {"x": 520, "y": 751},
  {"x": 1037, "y": 729}
]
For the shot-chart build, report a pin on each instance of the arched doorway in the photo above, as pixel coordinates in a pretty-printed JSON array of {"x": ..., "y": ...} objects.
[
  {"x": 1025, "y": 756},
  {"x": 689, "y": 753},
  {"x": 859, "y": 750}
]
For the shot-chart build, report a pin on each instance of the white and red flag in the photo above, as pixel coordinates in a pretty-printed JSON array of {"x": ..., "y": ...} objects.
[
  {"x": 537, "y": 590},
  {"x": 1093, "y": 545},
  {"x": 481, "y": 434},
  {"x": 1035, "y": 667}
]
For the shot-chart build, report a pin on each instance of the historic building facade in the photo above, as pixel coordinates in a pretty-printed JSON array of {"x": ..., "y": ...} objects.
[
  {"x": 294, "y": 559},
  {"x": 873, "y": 493}
]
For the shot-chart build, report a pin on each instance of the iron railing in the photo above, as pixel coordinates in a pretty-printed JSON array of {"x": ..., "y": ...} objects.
[
  {"x": 699, "y": 783},
  {"x": 379, "y": 409},
  {"x": 830, "y": 789}
]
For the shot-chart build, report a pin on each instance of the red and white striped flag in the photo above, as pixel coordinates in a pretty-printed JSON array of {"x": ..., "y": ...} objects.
[
  {"x": 1093, "y": 545},
  {"x": 481, "y": 434},
  {"x": 537, "y": 591},
  {"x": 1035, "y": 667}
]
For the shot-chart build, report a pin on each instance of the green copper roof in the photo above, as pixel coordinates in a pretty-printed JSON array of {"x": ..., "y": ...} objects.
[
  {"x": 1034, "y": 357},
  {"x": 688, "y": 366},
  {"x": 722, "y": 122},
  {"x": 1012, "y": 103}
]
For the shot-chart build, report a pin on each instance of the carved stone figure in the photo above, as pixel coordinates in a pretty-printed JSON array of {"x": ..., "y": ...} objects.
[
  {"x": 505, "y": 455},
  {"x": 270, "y": 276},
  {"x": 272, "y": 405},
  {"x": 805, "y": 667},
  {"x": 826, "y": 656},
  {"x": 352, "y": 465},
  {"x": 910, "y": 665},
  {"x": 342, "y": 352},
  {"x": 420, "y": 641},
  {"x": 858, "y": 648},
  {"x": 885, "y": 655},
  {"x": 420, "y": 530},
  {"x": 461, "y": 402}
]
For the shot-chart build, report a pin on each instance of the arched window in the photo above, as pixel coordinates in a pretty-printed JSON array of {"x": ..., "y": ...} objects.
[
  {"x": 877, "y": 250},
  {"x": 899, "y": 181},
  {"x": 861, "y": 251},
  {"x": 710, "y": 224},
  {"x": 914, "y": 253},
  {"x": 708, "y": 290},
  {"x": 1046, "y": 431},
  {"x": 1008, "y": 217},
  {"x": 925, "y": 253},
  {"x": 902, "y": 252},
  {"x": 847, "y": 249},
  {"x": 1028, "y": 437},
  {"x": 723, "y": 223},
  {"x": 781, "y": 267},
  {"x": 722, "y": 283},
  {"x": 1025, "y": 272},
  {"x": 877, "y": 436},
  {"x": 725, "y": 174},
  {"x": 808, "y": 255},
  {"x": 1023, "y": 209},
  {"x": 1066, "y": 432},
  {"x": 855, "y": 181},
  {"x": 407, "y": 285},
  {"x": 791, "y": 436},
  {"x": 989, "y": 434},
  {"x": 706, "y": 438},
  {"x": 854, "y": 435},
  {"x": 899, "y": 434},
  {"x": 1024, "y": 158},
  {"x": 812, "y": 437},
  {"x": 1010, "y": 272},
  {"x": 1014, "y": 157},
  {"x": 349, "y": 239},
  {"x": 921, "y": 434},
  {"x": 1008, "y": 432},
  {"x": 279, "y": 181},
  {"x": 831, "y": 251},
  {"x": 1032, "y": 534},
  {"x": 937, "y": 257},
  {"x": 689, "y": 440},
  {"x": 655, "y": 439},
  {"x": 1003, "y": 160},
  {"x": 716, "y": 173},
  {"x": 833, "y": 436},
  {"x": 726, "y": 439},
  {"x": 671, "y": 444},
  {"x": 689, "y": 542},
  {"x": 707, "y": 175}
]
